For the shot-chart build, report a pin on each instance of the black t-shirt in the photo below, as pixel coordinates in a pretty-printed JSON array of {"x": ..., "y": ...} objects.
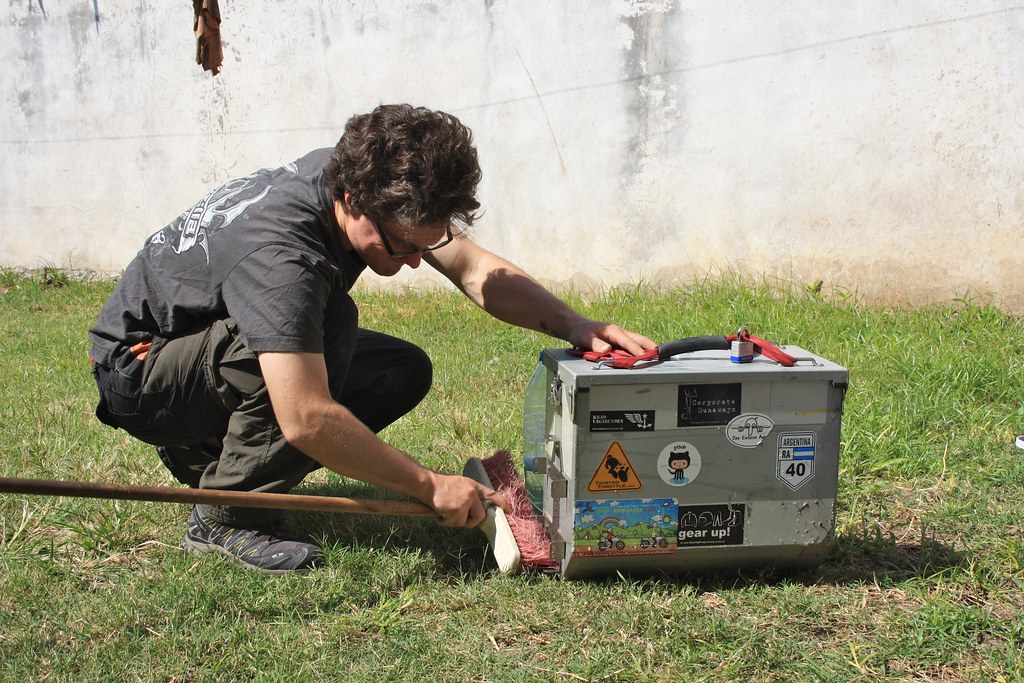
[{"x": 264, "y": 249}]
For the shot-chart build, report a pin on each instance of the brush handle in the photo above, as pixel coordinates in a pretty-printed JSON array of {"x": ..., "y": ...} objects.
[
  {"x": 495, "y": 525},
  {"x": 170, "y": 494}
]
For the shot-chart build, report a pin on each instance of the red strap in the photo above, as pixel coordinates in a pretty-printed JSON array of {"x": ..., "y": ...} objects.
[
  {"x": 623, "y": 360},
  {"x": 616, "y": 358},
  {"x": 766, "y": 349}
]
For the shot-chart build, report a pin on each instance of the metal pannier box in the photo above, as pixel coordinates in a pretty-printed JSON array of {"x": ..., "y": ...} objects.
[{"x": 696, "y": 463}]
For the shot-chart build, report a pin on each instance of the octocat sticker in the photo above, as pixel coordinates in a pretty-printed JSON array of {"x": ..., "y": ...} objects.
[{"x": 679, "y": 463}]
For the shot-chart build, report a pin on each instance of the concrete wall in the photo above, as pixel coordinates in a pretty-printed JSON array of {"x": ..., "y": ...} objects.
[{"x": 874, "y": 145}]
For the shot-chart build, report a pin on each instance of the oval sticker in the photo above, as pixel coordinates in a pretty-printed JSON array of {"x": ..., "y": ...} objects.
[
  {"x": 679, "y": 463},
  {"x": 748, "y": 430}
]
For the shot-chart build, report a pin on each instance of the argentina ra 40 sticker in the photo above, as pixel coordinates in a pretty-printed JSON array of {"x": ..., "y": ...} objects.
[{"x": 796, "y": 458}]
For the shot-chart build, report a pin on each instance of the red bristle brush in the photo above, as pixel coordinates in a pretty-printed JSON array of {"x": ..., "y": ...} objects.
[{"x": 533, "y": 541}]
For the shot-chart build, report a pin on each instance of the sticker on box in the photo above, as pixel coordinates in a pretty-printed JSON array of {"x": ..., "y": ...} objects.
[
  {"x": 610, "y": 528},
  {"x": 679, "y": 463},
  {"x": 704, "y": 405},
  {"x": 796, "y": 459},
  {"x": 615, "y": 473},
  {"x": 749, "y": 429},
  {"x": 622, "y": 420},
  {"x": 703, "y": 525}
]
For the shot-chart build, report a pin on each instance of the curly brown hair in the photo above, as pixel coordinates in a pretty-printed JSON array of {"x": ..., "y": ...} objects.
[{"x": 407, "y": 164}]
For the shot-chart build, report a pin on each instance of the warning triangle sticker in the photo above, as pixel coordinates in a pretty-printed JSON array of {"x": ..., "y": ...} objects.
[{"x": 615, "y": 473}]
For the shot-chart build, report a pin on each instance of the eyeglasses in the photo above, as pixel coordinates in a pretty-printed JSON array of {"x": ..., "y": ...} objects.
[{"x": 408, "y": 249}]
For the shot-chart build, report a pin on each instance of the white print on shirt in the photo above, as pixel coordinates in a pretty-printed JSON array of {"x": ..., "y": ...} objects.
[{"x": 197, "y": 221}]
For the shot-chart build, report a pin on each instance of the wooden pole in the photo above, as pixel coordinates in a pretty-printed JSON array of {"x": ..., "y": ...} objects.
[{"x": 171, "y": 494}]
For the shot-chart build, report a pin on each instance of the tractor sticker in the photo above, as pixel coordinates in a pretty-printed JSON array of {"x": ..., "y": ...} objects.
[
  {"x": 702, "y": 525},
  {"x": 796, "y": 458},
  {"x": 615, "y": 473},
  {"x": 608, "y": 528},
  {"x": 748, "y": 430},
  {"x": 679, "y": 463}
]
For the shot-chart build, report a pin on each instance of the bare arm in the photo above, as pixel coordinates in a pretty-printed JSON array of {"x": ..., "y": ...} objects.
[
  {"x": 312, "y": 421},
  {"x": 509, "y": 294}
]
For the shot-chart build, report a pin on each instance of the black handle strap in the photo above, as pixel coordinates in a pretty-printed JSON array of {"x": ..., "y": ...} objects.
[{"x": 689, "y": 344}]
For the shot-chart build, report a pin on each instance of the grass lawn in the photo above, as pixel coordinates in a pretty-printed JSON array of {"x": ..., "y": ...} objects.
[{"x": 925, "y": 581}]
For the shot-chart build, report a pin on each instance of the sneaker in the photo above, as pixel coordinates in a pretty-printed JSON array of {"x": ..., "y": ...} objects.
[{"x": 270, "y": 550}]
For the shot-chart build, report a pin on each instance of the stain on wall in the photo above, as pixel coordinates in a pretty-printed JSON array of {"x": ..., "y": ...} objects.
[{"x": 874, "y": 146}]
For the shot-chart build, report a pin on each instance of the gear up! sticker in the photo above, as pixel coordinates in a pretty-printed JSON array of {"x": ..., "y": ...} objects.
[
  {"x": 701, "y": 525},
  {"x": 796, "y": 459},
  {"x": 748, "y": 430},
  {"x": 679, "y": 463}
]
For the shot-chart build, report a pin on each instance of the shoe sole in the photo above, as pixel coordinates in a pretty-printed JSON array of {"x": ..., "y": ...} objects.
[{"x": 201, "y": 548}]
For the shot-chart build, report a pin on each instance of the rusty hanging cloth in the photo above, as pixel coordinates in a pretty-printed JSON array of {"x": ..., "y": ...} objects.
[{"x": 206, "y": 25}]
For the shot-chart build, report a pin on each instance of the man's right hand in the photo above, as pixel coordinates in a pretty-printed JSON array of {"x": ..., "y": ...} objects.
[
  {"x": 461, "y": 501},
  {"x": 312, "y": 421}
]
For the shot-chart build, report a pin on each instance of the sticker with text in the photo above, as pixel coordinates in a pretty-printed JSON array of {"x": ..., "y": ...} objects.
[
  {"x": 679, "y": 463},
  {"x": 622, "y": 420},
  {"x": 748, "y": 430},
  {"x": 796, "y": 458},
  {"x": 606, "y": 528},
  {"x": 615, "y": 473},
  {"x": 701, "y": 525},
  {"x": 702, "y": 405}
]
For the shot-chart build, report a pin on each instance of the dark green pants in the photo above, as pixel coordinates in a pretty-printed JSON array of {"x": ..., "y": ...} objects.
[{"x": 200, "y": 398}]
